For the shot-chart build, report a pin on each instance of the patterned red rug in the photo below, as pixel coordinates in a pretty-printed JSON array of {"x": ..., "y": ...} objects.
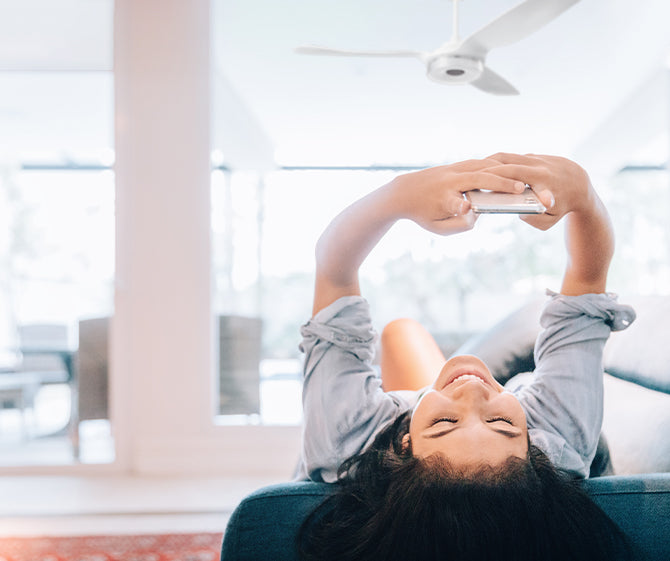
[{"x": 169, "y": 547}]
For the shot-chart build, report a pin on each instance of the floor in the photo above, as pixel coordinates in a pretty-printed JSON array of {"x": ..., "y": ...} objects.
[{"x": 68, "y": 506}]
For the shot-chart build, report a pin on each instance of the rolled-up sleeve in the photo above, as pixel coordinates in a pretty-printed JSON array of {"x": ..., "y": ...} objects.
[
  {"x": 564, "y": 400},
  {"x": 344, "y": 405}
]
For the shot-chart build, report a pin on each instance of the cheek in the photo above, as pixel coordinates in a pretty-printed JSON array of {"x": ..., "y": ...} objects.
[
  {"x": 413, "y": 437},
  {"x": 422, "y": 412},
  {"x": 516, "y": 411},
  {"x": 414, "y": 422}
]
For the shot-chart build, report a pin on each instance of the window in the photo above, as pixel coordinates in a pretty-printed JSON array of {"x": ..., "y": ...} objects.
[
  {"x": 638, "y": 199},
  {"x": 57, "y": 265}
]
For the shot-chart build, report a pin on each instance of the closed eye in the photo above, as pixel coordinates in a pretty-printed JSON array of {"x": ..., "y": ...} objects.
[
  {"x": 443, "y": 420},
  {"x": 503, "y": 419}
]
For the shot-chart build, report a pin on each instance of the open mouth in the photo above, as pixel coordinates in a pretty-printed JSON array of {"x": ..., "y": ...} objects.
[
  {"x": 464, "y": 375},
  {"x": 463, "y": 368},
  {"x": 468, "y": 376}
]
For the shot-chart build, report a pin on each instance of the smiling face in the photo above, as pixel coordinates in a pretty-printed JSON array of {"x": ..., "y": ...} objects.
[{"x": 468, "y": 418}]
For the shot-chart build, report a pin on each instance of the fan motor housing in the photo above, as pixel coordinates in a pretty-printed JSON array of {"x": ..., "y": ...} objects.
[{"x": 454, "y": 69}]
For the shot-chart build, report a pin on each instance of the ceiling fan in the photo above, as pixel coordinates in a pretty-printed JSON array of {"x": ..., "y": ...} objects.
[{"x": 460, "y": 61}]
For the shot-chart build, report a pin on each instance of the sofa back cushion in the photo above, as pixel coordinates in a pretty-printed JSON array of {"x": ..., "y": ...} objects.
[{"x": 641, "y": 353}]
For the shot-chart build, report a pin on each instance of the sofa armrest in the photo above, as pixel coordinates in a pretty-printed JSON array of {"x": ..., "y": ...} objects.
[
  {"x": 640, "y": 505},
  {"x": 265, "y": 524}
]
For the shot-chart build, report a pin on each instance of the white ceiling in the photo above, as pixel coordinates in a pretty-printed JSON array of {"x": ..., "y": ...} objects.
[{"x": 574, "y": 75}]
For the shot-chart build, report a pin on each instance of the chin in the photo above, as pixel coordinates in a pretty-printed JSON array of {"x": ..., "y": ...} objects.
[{"x": 464, "y": 365}]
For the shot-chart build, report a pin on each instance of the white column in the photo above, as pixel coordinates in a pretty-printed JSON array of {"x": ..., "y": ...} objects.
[{"x": 161, "y": 333}]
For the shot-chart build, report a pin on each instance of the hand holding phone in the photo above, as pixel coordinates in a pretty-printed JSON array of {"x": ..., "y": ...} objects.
[{"x": 492, "y": 202}]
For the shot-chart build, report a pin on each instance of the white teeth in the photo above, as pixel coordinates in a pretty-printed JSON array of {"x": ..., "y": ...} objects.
[{"x": 468, "y": 377}]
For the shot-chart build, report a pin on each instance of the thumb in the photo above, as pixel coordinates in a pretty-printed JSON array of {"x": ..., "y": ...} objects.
[
  {"x": 546, "y": 198},
  {"x": 455, "y": 204},
  {"x": 453, "y": 224}
]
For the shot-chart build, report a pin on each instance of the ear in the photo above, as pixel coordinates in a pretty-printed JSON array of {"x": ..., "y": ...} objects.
[{"x": 406, "y": 443}]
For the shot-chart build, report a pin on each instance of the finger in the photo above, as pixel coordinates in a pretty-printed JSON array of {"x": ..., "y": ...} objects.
[
  {"x": 473, "y": 165},
  {"x": 522, "y": 172},
  {"x": 491, "y": 181},
  {"x": 509, "y": 158},
  {"x": 455, "y": 224},
  {"x": 546, "y": 198},
  {"x": 452, "y": 204},
  {"x": 468, "y": 220},
  {"x": 464, "y": 206},
  {"x": 495, "y": 158}
]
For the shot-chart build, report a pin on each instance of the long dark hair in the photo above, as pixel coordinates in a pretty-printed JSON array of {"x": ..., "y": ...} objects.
[{"x": 390, "y": 505}]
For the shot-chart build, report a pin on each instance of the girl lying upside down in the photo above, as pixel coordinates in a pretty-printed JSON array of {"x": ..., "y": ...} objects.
[{"x": 434, "y": 458}]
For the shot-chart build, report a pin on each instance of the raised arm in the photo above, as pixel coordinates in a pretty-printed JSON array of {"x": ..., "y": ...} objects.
[
  {"x": 433, "y": 198},
  {"x": 566, "y": 190},
  {"x": 590, "y": 244}
]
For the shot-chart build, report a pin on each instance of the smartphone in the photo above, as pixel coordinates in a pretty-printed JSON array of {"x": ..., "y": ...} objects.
[{"x": 493, "y": 202}]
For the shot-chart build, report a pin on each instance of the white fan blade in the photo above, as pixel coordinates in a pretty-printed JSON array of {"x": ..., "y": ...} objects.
[
  {"x": 514, "y": 25},
  {"x": 493, "y": 83},
  {"x": 316, "y": 50}
]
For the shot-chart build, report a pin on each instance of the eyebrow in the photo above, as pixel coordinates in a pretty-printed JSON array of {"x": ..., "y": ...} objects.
[{"x": 500, "y": 430}]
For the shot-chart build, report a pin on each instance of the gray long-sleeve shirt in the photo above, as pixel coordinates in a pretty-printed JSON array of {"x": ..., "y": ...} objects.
[{"x": 345, "y": 407}]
